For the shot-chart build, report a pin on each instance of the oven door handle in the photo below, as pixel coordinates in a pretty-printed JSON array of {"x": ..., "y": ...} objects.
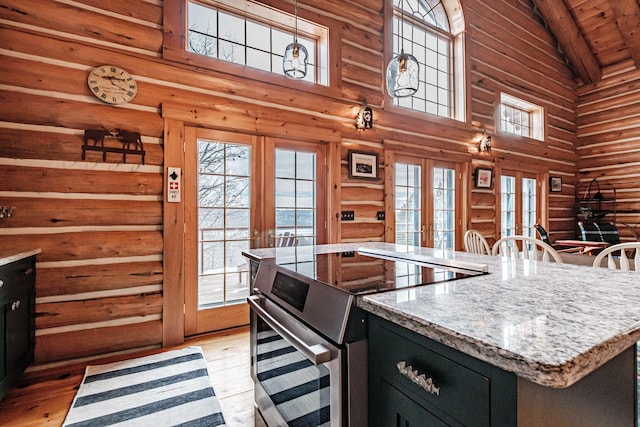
[{"x": 317, "y": 354}]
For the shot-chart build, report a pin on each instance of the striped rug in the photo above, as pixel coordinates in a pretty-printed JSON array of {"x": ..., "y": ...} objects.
[{"x": 166, "y": 389}]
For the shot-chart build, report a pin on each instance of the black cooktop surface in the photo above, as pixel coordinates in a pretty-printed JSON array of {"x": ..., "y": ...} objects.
[{"x": 358, "y": 273}]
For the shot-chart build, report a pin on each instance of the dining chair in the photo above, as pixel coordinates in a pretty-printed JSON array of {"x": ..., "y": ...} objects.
[
  {"x": 532, "y": 248},
  {"x": 622, "y": 261},
  {"x": 544, "y": 236},
  {"x": 475, "y": 243}
]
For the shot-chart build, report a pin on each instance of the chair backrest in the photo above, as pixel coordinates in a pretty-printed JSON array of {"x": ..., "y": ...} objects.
[
  {"x": 286, "y": 239},
  {"x": 599, "y": 232},
  {"x": 532, "y": 248},
  {"x": 613, "y": 260},
  {"x": 475, "y": 243},
  {"x": 544, "y": 236}
]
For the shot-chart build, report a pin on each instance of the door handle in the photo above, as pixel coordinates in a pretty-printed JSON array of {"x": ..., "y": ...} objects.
[
  {"x": 317, "y": 354},
  {"x": 256, "y": 239}
]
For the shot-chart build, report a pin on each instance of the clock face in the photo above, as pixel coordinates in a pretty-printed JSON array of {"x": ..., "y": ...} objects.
[{"x": 112, "y": 84}]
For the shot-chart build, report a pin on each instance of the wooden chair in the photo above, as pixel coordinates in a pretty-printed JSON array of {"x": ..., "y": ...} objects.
[
  {"x": 475, "y": 243},
  {"x": 532, "y": 248},
  {"x": 623, "y": 262}
]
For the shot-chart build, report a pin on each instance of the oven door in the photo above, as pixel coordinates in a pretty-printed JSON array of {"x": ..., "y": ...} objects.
[{"x": 297, "y": 373}]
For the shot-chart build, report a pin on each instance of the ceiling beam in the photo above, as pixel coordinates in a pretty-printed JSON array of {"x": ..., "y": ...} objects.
[
  {"x": 573, "y": 44},
  {"x": 627, "y": 14}
]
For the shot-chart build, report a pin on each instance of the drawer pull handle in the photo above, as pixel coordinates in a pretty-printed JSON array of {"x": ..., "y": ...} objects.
[
  {"x": 1, "y": 283},
  {"x": 418, "y": 378},
  {"x": 28, "y": 271},
  {"x": 15, "y": 305}
]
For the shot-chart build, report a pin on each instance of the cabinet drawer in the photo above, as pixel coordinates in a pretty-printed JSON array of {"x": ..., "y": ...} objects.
[
  {"x": 16, "y": 273},
  {"x": 463, "y": 395}
]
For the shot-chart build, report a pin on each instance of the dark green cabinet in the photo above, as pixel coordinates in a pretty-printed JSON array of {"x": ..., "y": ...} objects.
[
  {"x": 17, "y": 320},
  {"x": 415, "y": 381}
]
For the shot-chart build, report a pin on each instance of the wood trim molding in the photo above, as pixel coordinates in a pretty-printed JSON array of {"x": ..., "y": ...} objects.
[
  {"x": 173, "y": 231},
  {"x": 427, "y": 152},
  {"x": 235, "y": 122}
]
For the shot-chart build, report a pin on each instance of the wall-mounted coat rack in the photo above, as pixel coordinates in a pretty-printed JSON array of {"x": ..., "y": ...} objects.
[{"x": 129, "y": 143}]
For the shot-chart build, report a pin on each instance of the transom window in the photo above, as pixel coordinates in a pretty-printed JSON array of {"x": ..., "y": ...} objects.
[
  {"x": 521, "y": 118},
  {"x": 426, "y": 35},
  {"x": 247, "y": 33}
]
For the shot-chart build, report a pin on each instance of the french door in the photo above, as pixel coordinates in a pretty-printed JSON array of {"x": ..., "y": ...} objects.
[
  {"x": 427, "y": 203},
  {"x": 241, "y": 192},
  {"x": 519, "y": 203}
]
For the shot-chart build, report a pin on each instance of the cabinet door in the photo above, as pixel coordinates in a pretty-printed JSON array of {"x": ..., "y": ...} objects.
[
  {"x": 18, "y": 326},
  {"x": 3, "y": 344},
  {"x": 398, "y": 410}
]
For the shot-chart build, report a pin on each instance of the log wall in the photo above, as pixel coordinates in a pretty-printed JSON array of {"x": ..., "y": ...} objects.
[
  {"x": 609, "y": 143},
  {"x": 101, "y": 273}
]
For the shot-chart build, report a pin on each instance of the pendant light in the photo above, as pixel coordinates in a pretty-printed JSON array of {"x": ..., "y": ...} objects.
[
  {"x": 403, "y": 70},
  {"x": 294, "y": 63}
]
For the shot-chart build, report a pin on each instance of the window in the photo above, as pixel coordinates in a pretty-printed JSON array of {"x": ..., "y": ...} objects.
[
  {"x": 253, "y": 35},
  {"x": 521, "y": 118},
  {"x": 426, "y": 35}
]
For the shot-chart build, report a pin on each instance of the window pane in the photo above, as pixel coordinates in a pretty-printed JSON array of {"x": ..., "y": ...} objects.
[
  {"x": 258, "y": 36},
  {"x": 231, "y": 28},
  {"x": 286, "y": 164}
]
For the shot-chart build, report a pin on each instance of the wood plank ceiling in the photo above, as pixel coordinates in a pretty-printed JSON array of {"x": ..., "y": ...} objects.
[{"x": 597, "y": 37}]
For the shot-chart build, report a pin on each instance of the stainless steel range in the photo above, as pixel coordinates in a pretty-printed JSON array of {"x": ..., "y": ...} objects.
[{"x": 308, "y": 337}]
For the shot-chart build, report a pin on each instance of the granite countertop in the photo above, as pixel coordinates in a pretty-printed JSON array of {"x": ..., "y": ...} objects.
[
  {"x": 7, "y": 257},
  {"x": 549, "y": 323}
]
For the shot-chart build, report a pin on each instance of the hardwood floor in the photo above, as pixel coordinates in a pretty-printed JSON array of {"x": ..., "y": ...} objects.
[{"x": 43, "y": 398}]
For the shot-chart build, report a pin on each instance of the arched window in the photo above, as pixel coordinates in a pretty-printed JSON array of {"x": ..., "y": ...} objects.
[{"x": 428, "y": 34}]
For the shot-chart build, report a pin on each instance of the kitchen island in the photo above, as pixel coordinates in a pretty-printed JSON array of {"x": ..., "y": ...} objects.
[
  {"x": 566, "y": 333},
  {"x": 539, "y": 343}
]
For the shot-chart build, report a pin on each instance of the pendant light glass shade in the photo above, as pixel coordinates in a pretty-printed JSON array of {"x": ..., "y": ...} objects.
[
  {"x": 403, "y": 75},
  {"x": 403, "y": 71},
  {"x": 294, "y": 63},
  {"x": 296, "y": 57}
]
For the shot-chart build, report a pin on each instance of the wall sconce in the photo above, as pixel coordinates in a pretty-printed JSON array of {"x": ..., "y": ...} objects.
[
  {"x": 364, "y": 119},
  {"x": 485, "y": 143}
]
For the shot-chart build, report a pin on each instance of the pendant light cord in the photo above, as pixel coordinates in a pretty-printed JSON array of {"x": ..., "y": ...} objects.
[
  {"x": 401, "y": 26},
  {"x": 296, "y": 22}
]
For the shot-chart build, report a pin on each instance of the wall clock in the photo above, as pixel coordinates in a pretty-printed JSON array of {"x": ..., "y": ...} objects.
[{"x": 112, "y": 84}]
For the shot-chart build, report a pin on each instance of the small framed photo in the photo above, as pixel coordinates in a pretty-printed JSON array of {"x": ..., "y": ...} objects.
[
  {"x": 484, "y": 177},
  {"x": 363, "y": 165},
  {"x": 555, "y": 184}
]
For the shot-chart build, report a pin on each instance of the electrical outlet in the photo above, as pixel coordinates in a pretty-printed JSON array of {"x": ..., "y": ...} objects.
[
  {"x": 348, "y": 215},
  {"x": 348, "y": 254},
  {"x": 380, "y": 215}
]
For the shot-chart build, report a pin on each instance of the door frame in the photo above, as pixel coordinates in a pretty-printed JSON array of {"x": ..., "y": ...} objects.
[
  {"x": 541, "y": 196},
  {"x": 175, "y": 117},
  {"x": 427, "y": 164}
]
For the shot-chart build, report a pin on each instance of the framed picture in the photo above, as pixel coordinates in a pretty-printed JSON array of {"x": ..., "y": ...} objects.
[
  {"x": 484, "y": 178},
  {"x": 363, "y": 165},
  {"x": 555, "y": 184}
]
